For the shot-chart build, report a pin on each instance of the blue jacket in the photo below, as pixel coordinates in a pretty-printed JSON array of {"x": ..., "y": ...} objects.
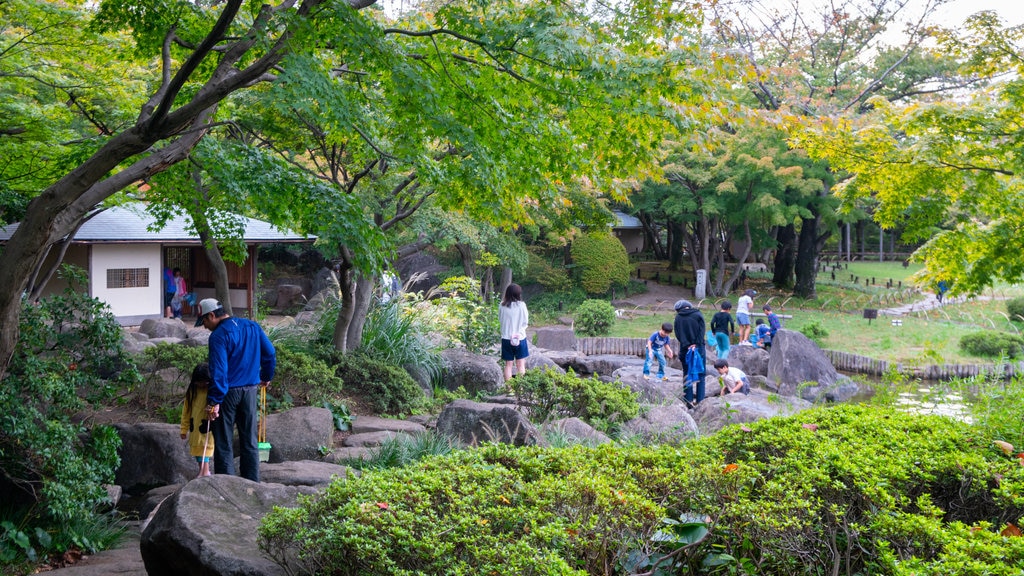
[
  {"x": 694, "y": 365},
  {"x": 240, "y": 355}
]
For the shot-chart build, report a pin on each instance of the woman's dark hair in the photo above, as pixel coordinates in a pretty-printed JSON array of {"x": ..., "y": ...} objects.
[
  {"x": 201, "y": 373},
  {"x": 514, "y": 293}
]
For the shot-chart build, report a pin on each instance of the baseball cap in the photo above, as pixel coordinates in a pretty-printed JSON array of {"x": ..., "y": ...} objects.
[{"x": 206, "y": 305}]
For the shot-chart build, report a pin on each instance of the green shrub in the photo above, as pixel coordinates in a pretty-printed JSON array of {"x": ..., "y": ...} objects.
[
  {"x": 389, "y": 388},
  {"x": 594, "y": 318},
  {"x": 1015, "y": 308},
  {"x": 475, "y": 323},
  {"x": 816, "y": 332},
  {"x": 821, "y": 492},
  {"x": 302, "y": 376},
  {"x": 166, "y": 370},
  {"x": 549, "y": 394},
  {"x": 600, "y": 262},
  {"x": 540, "y": 271},
  {"x": 69, "y": 356},
  {"x": 992, "y": 344}
]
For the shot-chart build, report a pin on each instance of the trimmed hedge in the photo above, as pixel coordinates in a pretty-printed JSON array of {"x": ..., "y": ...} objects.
[
  {"x": 549, "y": 394},
  {"x": 601, "y": 262},
  {"x": 390, "y": 388},
  {"x": 594, "y": 318},
  {"x": 991, "y": 343},
  {"x": 857, "y": 490}
]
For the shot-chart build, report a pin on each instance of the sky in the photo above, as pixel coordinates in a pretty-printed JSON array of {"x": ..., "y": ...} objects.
[{"x": 1012, "y": 11}]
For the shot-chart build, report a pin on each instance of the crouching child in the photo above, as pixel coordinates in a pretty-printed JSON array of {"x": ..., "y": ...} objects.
[{"x": 733, "y": 380}]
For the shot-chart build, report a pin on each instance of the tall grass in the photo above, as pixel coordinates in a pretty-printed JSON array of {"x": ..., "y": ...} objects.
[
  {"x": 402, "y": 450},
  {"x": 395, "y": 336}
]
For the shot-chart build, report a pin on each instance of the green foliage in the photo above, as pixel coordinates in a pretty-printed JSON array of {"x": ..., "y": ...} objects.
[
  {"x": 594, "y": 318},
  {"x": 475, "y": 323},
  {"x": 395, "y": 334},
  {"x": 991, "y": 343},
  {"x": 166, "y": 370},
  {"x": 69, "y": 356},
  {"x": 1015, "y": 308},
  {"x": 340, "y": 414},
  {"x": 305, "y": 377},
  {"x": 600, "y": 262},
  {"x": 389, "y": 388},
  {"x": 804, "y": 495},
  {"x": 540, "y": 271},
  {"x": 549, "y": 394},
  {"x": 994, "y": 405},
  {"x": 816, "y": 332}
]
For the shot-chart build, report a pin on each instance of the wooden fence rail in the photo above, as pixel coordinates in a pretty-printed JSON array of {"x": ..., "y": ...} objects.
[{"x": 842, "y": 361}]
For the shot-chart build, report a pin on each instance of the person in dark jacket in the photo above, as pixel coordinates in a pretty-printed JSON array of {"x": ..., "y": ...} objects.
[{"x": 690, "y": 331}]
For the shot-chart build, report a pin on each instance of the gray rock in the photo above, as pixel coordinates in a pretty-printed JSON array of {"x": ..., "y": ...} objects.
[
  {"x": 604, "y": 364},
  {"x": 299, "y": 433},
  {"x": 164, "y": 328},
  {"x": 565, "y": 358},
  {"x": 555, "y": 338},
  {"x": 301, "y": 473},
  {"x": 474, "y": 372},
  {"x": 210, "y": 527},
  {"x": 363, "y": 424},
  {"x": 471, "y": 422},
  {"x": 798, "y": 367},
  {"x": 152, "y": 454},
  {"x": 578, "y": 430},
  {"x": 751, "y": 359},
  {"x": 326, "y": 279},
  {"x": 371, "y": 439},
  {"x": 421, "y": 377},
  {"x": 141, "y": 337},
  {"x": 341, "y": 454},
  {"x": 653, "y": 391},
  {"x": 713, "y": 414},
  {"x": 288, "y": 296},
  {"x": 537, "y": 359},
  {"x": 148, "y": 502},
  {"x": 662, "y": 425}
]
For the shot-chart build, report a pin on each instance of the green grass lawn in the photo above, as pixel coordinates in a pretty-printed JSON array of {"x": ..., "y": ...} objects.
[{"x": 930, "y": 337}]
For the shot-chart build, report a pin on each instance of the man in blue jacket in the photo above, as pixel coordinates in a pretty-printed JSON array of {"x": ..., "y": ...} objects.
[
  {"x": 241, "y": 359},
  {"x": 689, "y": 329}
]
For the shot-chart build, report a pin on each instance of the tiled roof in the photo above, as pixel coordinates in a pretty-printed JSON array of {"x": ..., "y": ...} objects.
[
  {"x": 129, "y": 224},
  {"x": 624, "y": 220}
]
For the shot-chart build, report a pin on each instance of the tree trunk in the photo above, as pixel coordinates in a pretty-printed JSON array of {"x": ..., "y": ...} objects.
[
  {"x": 220, "y": 270},
  {"x": 347, "y": 284},
  {"x": 785, "y": 257},
  {"x": 466, "y": 254},
  {"x": 365, "y": 285},
  {"x": 506, "y": 279},
  {"x": 652, "y": 240},
  {"x": 676, "y": 235},
  {"x": 487, "y": 285}
]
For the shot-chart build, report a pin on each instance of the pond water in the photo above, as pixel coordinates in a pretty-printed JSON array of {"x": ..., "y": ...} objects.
[{"x": 941, "y": 402}]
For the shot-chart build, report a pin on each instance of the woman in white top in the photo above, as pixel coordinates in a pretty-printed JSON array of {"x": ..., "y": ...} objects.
[
  {"x": 743, "y": 307},
  {"x": 513, "y": 317}
]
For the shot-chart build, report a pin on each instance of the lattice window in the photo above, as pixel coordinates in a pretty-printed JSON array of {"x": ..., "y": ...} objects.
[{"x": 127, "y": 278}]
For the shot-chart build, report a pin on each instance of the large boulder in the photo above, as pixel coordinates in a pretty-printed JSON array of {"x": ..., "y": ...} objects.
[
  {"x": 288, "y": 296},
  {"x": 164, "y": 328},
  {"x": 152, "y": 454},
  {"x": 474, "y": 372},
  {"x": 798, "y": 367},
  {"x": 326, "y": 279},
  {"x": 555, "y": 338},
  {"x": 670, "y": 424},
  {"x": 419, "y": 272},
  {"x": 299, "y": 433},
  {"x": 715, "y": 413},
  {"x": 753, "y": 360},
  {"x": 474, "y": 422},
  {"x": 210, "y": 526}
]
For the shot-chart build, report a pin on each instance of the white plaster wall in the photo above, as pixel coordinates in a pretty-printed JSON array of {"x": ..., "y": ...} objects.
[{"x": 128, "y": 301}]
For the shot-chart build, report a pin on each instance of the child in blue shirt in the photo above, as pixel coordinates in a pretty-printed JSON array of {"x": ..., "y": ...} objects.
[
  {"x": 764, "y": 334},
  {"x": 658, "y": 347}
]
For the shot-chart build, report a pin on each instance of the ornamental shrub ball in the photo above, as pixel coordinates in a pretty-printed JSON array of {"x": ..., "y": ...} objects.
[
  {"x": 601, "y": 262},
  {"x": 594, "y": 318}
]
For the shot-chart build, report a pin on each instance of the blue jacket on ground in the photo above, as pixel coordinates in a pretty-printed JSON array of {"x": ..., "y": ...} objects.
[{"x": 241, "y": 354}]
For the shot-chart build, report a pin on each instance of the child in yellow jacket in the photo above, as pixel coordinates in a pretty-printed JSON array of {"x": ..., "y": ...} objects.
[{"x": 195, "y": 424}]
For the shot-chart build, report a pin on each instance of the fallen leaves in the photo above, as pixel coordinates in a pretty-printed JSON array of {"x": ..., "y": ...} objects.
[{"x": 1006, "y": 447}]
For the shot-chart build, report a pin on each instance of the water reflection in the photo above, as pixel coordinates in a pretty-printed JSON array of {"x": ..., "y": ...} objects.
[{"x": 938, "y": 401}]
